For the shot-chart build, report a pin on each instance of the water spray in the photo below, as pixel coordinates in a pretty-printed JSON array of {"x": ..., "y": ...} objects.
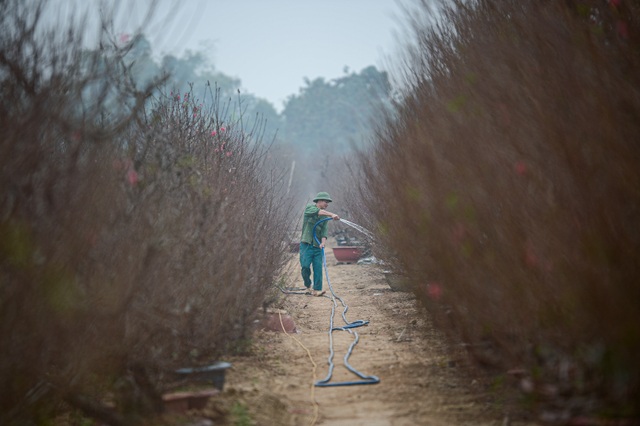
[{"x": 358, "y": 228}]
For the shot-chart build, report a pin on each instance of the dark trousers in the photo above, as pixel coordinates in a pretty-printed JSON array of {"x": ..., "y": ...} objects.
[{"x": 311, "y": 256}]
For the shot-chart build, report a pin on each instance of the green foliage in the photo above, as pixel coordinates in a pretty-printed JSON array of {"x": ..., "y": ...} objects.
[
  {"x": 240, "y": 415},
  {"x": 330, "y": 116}
]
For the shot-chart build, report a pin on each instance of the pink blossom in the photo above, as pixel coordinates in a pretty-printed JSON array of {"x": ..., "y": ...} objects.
[
  {"x": 434, "y": 291},
  {"x": 229, "y": 153},
  {"x": 124, "y": 38},
  {"x": 222, "y": 129},
  {"x": 132, "y": 176},
  {"x": 213, "y": 133}
]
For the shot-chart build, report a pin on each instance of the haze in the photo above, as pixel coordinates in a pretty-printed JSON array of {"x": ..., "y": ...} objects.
[{"x": 272, "y": 46}]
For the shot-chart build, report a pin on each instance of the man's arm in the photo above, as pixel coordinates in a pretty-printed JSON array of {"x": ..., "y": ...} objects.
[
  {"x": 326, "y": 213},
  {"x": 323, "y": 242}
]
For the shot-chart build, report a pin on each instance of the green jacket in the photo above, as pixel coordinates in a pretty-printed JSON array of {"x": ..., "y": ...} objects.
[{"x": 311, "y": 217}]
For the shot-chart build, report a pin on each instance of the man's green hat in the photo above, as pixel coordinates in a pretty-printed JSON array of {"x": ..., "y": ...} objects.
[{"x": 322, "y": 196}]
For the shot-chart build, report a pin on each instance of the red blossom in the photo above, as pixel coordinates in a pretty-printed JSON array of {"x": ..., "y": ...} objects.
[
  {"x": 132, "y": 177},
  {"x": 434, "y": 291}
]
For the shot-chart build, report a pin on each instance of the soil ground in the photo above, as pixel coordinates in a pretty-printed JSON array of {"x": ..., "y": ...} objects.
[{"x": 422, "y": 380}]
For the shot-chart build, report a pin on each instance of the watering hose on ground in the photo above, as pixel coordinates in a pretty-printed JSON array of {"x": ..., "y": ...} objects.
[
  {"x": 293, "y": 290},
  {"x": 366, "y": 379}
]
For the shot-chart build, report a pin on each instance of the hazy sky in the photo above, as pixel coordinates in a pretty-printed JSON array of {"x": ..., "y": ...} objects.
[{"x": 272, "y": 45}]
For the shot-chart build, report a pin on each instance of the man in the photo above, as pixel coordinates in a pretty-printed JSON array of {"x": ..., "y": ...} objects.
[{"x": 310, "y": 250}]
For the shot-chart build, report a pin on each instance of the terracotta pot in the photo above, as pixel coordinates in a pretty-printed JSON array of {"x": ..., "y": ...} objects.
[
  {"x": 271, "y": 322},
  {"x": 347, "y": 254}
]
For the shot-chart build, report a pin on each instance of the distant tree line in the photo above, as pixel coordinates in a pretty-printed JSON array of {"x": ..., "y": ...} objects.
[{"x": 324, "y": 114}]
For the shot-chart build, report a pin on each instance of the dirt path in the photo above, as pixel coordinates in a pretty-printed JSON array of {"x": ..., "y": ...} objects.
[{"x": 421, "y": 382}]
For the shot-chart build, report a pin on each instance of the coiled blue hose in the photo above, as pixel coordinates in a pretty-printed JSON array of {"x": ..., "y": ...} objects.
[{"x": 366, "y": 379}]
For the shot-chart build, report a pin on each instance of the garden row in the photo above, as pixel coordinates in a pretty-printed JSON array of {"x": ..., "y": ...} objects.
[
  {"x": 130, "y": 228},
  {"x": 506, "y": 186}
]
